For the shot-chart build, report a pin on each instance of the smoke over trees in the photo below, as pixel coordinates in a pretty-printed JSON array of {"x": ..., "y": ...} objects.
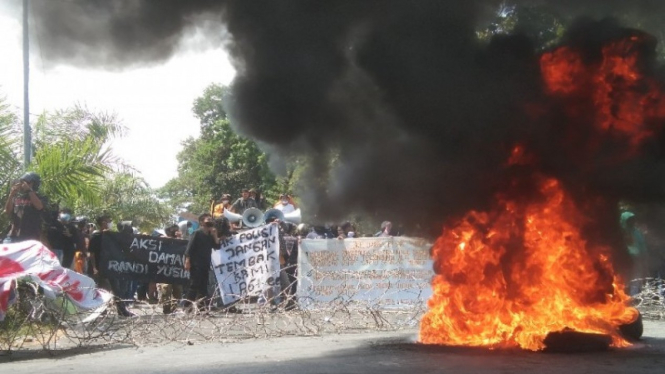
[{"x": 419, "y": 112}]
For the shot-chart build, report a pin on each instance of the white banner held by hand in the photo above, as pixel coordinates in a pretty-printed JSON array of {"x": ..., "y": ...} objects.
[{"x": 248, "y": 264}]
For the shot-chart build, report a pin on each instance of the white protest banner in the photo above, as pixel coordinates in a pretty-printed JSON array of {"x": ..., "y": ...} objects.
[
  {"x": 33, "y": 262},
  {"x": 248, "y": 264},
  {"x": 390, "y": 272}
]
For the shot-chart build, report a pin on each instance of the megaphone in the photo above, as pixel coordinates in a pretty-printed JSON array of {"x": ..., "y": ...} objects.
[
  {"x": 273, "y": 214},
  {"x": 293, "y": 217},
  {"x": 232, "y": 217},
  {"x": 252, "y": 217}
]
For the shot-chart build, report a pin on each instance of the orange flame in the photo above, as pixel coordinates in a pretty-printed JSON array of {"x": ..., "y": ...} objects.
[
  {"x": 486, "y": 293},
  {"x": 562, "y": 70},
  {"x": 626, "y": 103},
  {"x": 511, "y": 276}
]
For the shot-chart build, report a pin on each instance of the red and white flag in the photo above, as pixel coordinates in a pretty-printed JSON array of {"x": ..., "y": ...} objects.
[{"x": 32, "y": 260}]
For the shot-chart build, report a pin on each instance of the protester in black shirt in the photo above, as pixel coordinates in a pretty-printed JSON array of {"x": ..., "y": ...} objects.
[
  {"x": 83, "y": 227},
  {"x": 288, "y": 244},
  {"x": 197, "y": 258},
  {"x": 170, "y": 294},
  {"x": 95, "y": 244},
  {"x": 63, "y": 236},
  {"x": 259, "y": 200},
  {"x": 117, "y": 287},
  {"x": 24, "y": 208}
]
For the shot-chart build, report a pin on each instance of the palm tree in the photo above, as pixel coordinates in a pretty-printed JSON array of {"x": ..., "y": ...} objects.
[
  {"x": 72, "y": 155},
  {"x": 79, "y": 170}
]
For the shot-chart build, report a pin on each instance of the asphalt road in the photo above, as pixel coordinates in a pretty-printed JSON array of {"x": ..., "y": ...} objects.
[{"x": 380, "y": 353}]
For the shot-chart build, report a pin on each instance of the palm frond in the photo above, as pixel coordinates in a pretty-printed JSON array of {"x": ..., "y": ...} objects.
[
  {"x": 9, "y": 145},
  {"x": 72, "y": 170},
  {"x": 77, "y": 123}
]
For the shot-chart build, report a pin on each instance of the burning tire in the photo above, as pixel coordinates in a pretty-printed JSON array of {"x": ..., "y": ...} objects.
[{"x": 633, "y": 331}]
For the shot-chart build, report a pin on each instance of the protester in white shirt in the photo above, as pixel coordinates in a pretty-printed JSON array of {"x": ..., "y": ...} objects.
[{"x": 285, "y": 204}]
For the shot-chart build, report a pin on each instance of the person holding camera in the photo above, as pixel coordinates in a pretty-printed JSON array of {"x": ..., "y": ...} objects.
[
  {"x": 24, "y": 207},
  {"x": 197, "y": 259}
]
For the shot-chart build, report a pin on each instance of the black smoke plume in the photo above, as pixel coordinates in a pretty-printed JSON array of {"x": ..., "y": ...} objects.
[
  {"x": 419, "y": 114},
  {"x": 120, "y": 33}
]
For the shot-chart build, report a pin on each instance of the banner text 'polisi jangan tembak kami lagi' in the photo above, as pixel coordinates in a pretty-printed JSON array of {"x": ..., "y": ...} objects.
[{"x": 248, "y": 264}]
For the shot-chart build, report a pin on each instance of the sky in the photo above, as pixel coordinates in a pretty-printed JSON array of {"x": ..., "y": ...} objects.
[{"x": 154, "y": 103}]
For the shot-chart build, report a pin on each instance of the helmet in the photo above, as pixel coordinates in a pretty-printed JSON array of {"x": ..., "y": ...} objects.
[{"x": 33, "y": 178}]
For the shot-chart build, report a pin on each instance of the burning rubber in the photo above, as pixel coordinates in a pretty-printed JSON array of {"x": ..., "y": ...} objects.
[{"x": 536, "y": 269}]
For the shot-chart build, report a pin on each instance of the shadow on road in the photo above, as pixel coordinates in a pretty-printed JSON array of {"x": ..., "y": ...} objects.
[
  {"x": 403, "y": 355},
  {"x": 27, "y": 355}
]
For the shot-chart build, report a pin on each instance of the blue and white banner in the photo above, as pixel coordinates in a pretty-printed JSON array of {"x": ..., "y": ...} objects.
[{"x": 390, "y": 272}]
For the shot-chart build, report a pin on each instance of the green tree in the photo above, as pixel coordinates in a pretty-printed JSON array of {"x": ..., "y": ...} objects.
[
  {"x": 127, "y": 197},
  {"x": 10, "y": 167},
  {"x": 9, "y": 141},
  {"x": 218, "y": 161},
  {"x": 542, "y": 25}
]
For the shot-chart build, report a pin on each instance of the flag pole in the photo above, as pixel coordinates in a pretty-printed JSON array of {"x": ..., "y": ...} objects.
[{"x": 27, "y": 133}]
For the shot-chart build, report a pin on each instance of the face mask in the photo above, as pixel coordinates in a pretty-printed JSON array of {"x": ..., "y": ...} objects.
[
  {"x": 225, "y": 202},
  {"x": 284, "y": 202},
  {"x": 65, "y": 217},
  {"x": 109, "y": 225}
]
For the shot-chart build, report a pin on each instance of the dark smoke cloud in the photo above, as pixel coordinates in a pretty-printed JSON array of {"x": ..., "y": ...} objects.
[
  {"x": 419, "y": 113},
  {"x": 422, "y": 114},
  {"x": 402, "y": 91},
  {"x": 645, "y": 9},
  {"x": 118, "y": 33}
]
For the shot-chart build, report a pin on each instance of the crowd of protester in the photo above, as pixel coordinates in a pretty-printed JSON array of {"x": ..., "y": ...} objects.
[{"x": 77, "y": 243}]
